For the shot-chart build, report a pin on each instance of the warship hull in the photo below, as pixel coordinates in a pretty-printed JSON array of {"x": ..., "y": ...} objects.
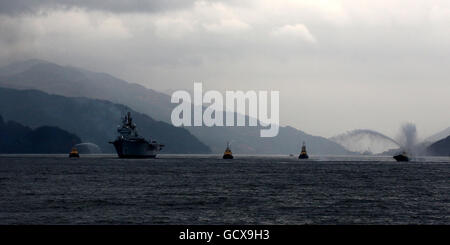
[{"x": 135, "y": 149}]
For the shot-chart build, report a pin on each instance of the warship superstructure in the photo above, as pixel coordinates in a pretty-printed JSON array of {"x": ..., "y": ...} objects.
[{"x": 130, "y": 145}]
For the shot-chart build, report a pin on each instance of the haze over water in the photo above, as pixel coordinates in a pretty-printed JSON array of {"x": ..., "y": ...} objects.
[{"x": 204, "y": 189}]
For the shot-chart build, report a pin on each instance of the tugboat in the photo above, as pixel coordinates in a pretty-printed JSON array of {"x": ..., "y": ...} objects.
[
  {"x": 303, "y": 154},
  {"x": 74, "y": 153},
  {"x": 228, "y": 154},
  {"x": 403, "y": 157},
  {"x": 130, "y": 145}
]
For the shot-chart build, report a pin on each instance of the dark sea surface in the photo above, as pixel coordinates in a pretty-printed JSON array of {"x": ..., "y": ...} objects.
[{"x": 204, "y": 189}]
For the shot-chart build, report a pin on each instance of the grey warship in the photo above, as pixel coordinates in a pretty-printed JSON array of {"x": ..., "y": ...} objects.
[{"x": 130, "y": 145}]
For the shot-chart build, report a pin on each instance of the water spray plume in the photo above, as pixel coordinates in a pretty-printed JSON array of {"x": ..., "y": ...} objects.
[
  {"x": 407, "y": 137},
  {"x": 88, "y": 148}
]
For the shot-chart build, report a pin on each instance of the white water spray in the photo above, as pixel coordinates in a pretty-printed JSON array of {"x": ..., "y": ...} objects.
[{"x": 407, "y": 138}]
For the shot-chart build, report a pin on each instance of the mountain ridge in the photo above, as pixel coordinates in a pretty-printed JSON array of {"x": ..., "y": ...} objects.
[
  {"x": 55, "y": 79},
  {"x": 440, "y": 148},
  {"x": 93, "y": 120},
  {"x": 439, "y": 135},
  {"x": 17, "y": 138}
]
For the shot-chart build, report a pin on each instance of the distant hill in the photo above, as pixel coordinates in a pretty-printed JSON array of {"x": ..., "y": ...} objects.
[
  {"x": 440, "y": 148},
  {"x": 92, "y": 120},
  {"x": 76, "y": 82},
  {"x": 439, "y": 135},
  {"x": 246, "y": 140},
  {"x": 16, "y": 138}
]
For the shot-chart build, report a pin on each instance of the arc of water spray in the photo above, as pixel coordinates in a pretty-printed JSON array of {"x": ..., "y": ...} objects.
[{"x": 365, "y": 131}]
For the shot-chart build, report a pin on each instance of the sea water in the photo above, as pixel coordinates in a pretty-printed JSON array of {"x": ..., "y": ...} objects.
[{"x": 205, "y": 189}]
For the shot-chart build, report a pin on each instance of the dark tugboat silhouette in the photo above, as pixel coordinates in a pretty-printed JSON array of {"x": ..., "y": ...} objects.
[
  {"x": 303, "y": 153},
  {"x": 228, "y": 154},
  {"x": 403, "y": 157}
]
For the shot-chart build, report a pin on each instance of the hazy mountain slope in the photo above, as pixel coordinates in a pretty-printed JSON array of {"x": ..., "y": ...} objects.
[
  {"x": 247, "y": 141},
  {"x": 69, "y": 81},
  {"x": 75, "y": 82},
  {"x": 16, "y": 138},
  {"x": 18, "y": 67},
  {"x": 440, "y": 148},
  {"x": 439, "y": 135},
  {"x": 93, "y": 120}
]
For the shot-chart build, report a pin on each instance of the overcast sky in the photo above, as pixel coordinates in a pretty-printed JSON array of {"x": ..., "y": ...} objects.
[{"x": 339, "y": 65}]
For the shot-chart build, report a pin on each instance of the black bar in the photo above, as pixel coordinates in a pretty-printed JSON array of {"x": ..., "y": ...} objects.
[{"x": 223, "y": 234}]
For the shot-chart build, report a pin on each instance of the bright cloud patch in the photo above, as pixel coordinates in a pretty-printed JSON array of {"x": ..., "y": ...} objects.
[{"x": 297, "y": 31}]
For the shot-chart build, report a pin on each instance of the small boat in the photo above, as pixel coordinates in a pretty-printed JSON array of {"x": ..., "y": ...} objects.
[
  {"x": 303, "y": 153},
  {"x": 74, "y": 153},
  {"x": 403, "y": 157},
  {"x": 228, "y": 154}
]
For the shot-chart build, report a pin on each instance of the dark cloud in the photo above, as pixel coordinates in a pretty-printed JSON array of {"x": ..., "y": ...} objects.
[
  {"x": 332, "y": 60},
  {"x": 17, "y": 7}
]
